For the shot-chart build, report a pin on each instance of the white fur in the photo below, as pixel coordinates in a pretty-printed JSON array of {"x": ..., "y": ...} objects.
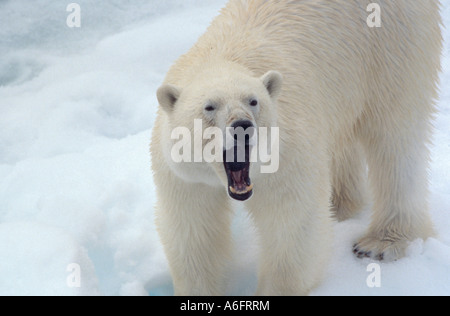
[{"x": 348, "y": 91}]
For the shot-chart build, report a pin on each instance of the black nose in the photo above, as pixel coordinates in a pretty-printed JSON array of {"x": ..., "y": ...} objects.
[
  {"x": 245, "y": 124},
  {"x": 243, "y": 130}
]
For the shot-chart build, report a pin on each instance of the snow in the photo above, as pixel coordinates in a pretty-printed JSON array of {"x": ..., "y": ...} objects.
[{"x": 78, "y": 105}]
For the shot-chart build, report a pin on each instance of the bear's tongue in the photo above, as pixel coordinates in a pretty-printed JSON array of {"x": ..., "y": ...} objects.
[
  {"x": 239, "y": 185},
  {"x": 241, "y": 181}
]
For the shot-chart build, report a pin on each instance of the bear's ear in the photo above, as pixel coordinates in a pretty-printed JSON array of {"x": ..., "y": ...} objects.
[
  {"x": 273, "y": 81},
  {"x": 168, "y": 95}
]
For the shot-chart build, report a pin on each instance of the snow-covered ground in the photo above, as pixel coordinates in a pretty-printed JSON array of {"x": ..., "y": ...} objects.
[{"x": 76, "y": 193}]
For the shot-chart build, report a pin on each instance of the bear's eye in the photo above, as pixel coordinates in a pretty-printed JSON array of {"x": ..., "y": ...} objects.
[
  {"x": 253, "y": 102},
  {"x": 210, "y": 108}
]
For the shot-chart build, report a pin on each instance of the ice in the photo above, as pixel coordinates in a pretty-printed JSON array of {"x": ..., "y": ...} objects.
[{"x": 37, "y": 259}]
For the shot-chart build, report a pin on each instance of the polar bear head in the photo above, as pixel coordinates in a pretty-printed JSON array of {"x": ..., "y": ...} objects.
[{"x": 207, "y": 116}]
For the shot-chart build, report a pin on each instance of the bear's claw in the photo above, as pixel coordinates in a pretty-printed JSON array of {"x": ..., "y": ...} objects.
[
  {"x": 381, "y": 249},
  {"x": 366, "y": 254}
]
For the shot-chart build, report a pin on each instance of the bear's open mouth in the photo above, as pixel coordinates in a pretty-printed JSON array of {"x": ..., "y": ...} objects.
[{"x": 240, "y": 186}]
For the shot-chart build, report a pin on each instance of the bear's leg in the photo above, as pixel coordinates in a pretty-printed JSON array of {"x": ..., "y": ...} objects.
[
  {"x": 295, "y": 235},
  {"x": 398, "y": 158},
  {"x": 194, "y": 222},
  {"x": 349, "y": 185}
]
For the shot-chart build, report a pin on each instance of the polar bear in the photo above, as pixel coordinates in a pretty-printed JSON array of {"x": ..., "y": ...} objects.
[{"x": 343, "y": 95}]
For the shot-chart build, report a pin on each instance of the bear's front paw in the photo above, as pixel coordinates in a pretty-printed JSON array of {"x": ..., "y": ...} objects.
[{"x": 382, "y": 249}]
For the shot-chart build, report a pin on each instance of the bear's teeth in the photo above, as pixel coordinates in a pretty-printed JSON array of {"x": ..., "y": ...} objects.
[{"x": 245, "y": 191}]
